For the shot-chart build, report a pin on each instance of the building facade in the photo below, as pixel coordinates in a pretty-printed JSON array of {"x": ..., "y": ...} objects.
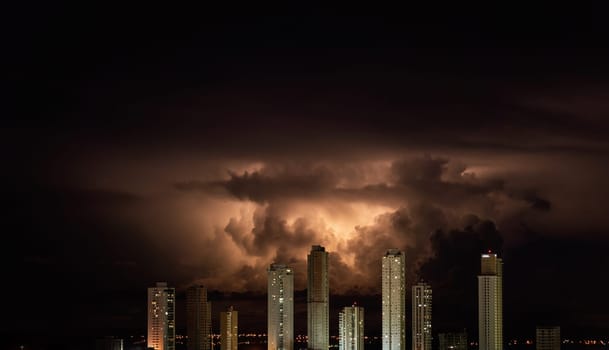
[
  {"x": 421, "y": 316},
  {"x": 161, "y": 317},
  {"x": 229, "y": 329},
  {"x": 547, "y": 338},
  {"x": 490, "y": 303},
  {"x": 317, "y": 299},
  {"x": 280, "y": 303},
  {"x": 453, "y": 341},
  {"x": 109, "y": 343},
  {"x": 394, "y": 300},
  {"x": 351, "y": 328},
  {"x": 198, "y": 318}
]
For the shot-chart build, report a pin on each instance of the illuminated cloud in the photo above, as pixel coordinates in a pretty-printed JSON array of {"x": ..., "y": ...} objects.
[{"x": 357, "y": 215}]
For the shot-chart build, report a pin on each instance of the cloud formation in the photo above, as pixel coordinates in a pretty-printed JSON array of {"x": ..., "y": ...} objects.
[{"x": 400, "y": 203}]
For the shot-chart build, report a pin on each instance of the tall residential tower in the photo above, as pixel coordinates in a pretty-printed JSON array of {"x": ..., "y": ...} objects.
[
  {"x": 351, "y": 328},
  {"x": 394, "y": 300},
  {"x": 161, "y": 317},
  {"x": 490, "y": 303},
  {"x": 280, "y": 304},
  {"x": 317, "y": 299},
  {"x": 198, "y": 318},
  {"x": 421, "y": 316},
  {"x": 229, "y": 329}
]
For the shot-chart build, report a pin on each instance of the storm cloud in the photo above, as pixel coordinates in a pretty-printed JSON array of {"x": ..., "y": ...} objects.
[{"x": 398, "y": 203}]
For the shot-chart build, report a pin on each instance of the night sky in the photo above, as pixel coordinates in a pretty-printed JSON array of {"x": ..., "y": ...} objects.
[{"x": 200, "y": 146}]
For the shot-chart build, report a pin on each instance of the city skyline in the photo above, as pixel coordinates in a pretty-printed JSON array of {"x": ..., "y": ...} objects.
[
  {"x": 199, "y": 148},
  {"x": 280, "y": 315}
]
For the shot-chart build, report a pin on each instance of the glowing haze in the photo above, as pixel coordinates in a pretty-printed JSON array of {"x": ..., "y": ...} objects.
[{"x": 225, "y": 221}]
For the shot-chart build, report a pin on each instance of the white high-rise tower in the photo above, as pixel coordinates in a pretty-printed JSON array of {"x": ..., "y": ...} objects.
[
  {"x": 394, "y": 300},
  {"x": 317, "y": 299},
  {"x": 421, "y": 316},
  {"x": 229, "y": 329},
  {"x": 351, "y": 328},
  {"x": 161, "y": 317},
  {"x": 280, "y": 308},
  {"x": 490, "y": 303}
]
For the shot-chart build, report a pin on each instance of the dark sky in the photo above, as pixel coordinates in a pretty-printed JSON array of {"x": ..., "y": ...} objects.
[{"x": 198, "y": 147}]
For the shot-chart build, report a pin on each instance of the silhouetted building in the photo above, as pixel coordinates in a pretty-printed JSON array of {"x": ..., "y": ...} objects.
[
  {"x": 453, "y": 341},
  {"x": 161, "y": 317},
  {"x": 109, "y": 343},
  {"x": 229, "y": 329},
  {"x": 317, "y": 299},
  {"x": 198, "y": 318},
  {"x": 351, "y": 328},
  {"x": 394, "y": 300},
  {"x": 490, "y": 303},
  {"x": 421, "y": 316},
  {"x": 280, "y": 302},
  {"x": 547, "y": 338}
]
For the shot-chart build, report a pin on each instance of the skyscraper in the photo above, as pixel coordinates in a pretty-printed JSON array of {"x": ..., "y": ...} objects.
[
  {"x": 490, "y": 303},
  {"x": 317, "y": 299},
  {"x": 453, "y": 341},
  {"x": 229, "y": 329},
  {"x": 394, "y": 300},
  {"x": 421, "y": 316},
  {"x": 280, "y": 308},
  {"x": 198, "y": 318},
  {"x": 161, "y": 317},
  {"x": 351, "y": 328},
  {"x": 547, "y": 338}
]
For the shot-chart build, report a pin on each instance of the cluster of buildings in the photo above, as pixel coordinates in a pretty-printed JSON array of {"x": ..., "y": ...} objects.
[
  {"x": 351, "y": 318},
  {"x": 161, "y": 320},
  {"x": 280, "y": 312}
]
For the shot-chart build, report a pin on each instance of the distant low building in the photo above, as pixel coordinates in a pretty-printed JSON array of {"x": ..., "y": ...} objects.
[
  {"x": 547, "y": 338},
  {"x": 109, "y": 343},
  {"x": 453, "y": 340}
]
